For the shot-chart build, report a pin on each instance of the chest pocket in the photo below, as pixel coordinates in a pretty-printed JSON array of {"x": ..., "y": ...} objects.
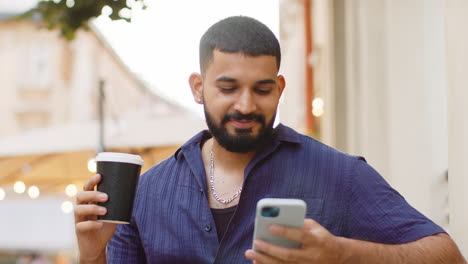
[{"x": 314, "y": 205}]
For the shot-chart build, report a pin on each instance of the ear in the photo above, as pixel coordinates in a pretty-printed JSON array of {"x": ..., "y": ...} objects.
[
  {"x": 196, "y": 84},
  {"x": 281, "y": 84}
]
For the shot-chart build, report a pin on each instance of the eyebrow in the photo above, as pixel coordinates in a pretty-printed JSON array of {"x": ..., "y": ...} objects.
[
  {"x": 232, "y": 80},
  {"x": 226, "y": 79},
  {"x": 267, "y": 81}
]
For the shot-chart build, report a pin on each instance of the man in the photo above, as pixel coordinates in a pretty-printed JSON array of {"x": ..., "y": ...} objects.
[{"x": 198, "y": 206}]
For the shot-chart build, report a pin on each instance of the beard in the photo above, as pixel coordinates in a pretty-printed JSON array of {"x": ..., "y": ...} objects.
[{"x": 241, "y": 141}]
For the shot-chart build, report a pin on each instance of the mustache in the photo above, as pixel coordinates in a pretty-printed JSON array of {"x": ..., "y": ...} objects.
[{"x": 238, "y": 117}]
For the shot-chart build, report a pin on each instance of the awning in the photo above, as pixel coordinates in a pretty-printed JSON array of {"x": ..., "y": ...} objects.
[
  {"x": 52, "y": 157},
  {"x": 130, "y": 133}
]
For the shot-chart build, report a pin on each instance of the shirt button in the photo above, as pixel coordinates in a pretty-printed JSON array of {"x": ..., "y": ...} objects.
[{"x": 208, "y": 228}]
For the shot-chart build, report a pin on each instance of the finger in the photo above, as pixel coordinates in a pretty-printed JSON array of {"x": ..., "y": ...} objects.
[
  {"x": 315, "y": 232},
  {"x": 292, "y": 233},
  {"x": 282, "y": 253},
  {"x": 84, "y": 210},
  {"x": 92, "y": 182},
  {"x": 87, "y": 226},
  {"x": 259, "y": 258},
  {"x": 85, "y": 197}
]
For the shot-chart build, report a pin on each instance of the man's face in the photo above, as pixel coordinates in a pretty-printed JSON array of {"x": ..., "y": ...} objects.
[{"x": 240, "y": 96}]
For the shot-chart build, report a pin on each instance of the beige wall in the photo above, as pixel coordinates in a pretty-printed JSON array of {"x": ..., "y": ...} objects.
[
  {"x": 292, "y": 38},
  {"x": 395, "y": 113},
  {"x": 457, "y": 73},
  {"x": 398, "y": 96},
  {"x": 292, "y": 104}
]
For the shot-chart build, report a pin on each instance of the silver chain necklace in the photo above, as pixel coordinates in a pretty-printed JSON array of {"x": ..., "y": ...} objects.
[{"x": 216, "y": 196}]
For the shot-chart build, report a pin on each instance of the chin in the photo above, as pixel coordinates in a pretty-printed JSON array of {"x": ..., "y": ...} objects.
[{"x": 245, "y": 132}]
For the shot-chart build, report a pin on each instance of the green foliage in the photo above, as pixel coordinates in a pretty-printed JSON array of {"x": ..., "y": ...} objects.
[{"x": 70, "y": 15}]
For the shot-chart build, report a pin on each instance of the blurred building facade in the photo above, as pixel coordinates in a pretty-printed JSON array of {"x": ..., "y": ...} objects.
[
  {"x": 51, "y": 96},
  {"x": 48, "y": 81},
  {"x": 50, "y": 127},
  {"x": 390, "y": 74}
]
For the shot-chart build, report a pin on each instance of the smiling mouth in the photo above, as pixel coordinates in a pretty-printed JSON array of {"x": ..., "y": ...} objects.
[{"x": 243, "y": 123}]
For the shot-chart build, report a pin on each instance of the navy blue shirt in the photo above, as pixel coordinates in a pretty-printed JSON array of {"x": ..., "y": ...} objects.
[{"x": 172, "y": 221}]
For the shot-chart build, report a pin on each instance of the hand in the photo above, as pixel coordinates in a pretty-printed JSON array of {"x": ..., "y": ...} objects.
[
  {"x": 318, "y": 246},
  {"x": 92, "y": 235}
]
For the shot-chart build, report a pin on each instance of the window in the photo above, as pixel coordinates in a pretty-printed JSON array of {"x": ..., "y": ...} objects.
[
  {"x": 35, "y": 72},
  {"x": 40, "y": 64}
]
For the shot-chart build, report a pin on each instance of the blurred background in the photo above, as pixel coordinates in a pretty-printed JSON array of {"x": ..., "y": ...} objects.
[{"x": 384, "y": 79}]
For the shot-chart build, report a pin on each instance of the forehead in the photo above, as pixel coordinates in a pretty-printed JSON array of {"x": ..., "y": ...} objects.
[{"x": 241, "y": 66}]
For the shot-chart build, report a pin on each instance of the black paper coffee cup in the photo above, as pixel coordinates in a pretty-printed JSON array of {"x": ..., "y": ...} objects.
[{"x": 119, "y": 178}]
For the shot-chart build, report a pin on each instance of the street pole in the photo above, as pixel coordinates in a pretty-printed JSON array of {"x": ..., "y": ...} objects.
[{"x": 101, "y": 99}]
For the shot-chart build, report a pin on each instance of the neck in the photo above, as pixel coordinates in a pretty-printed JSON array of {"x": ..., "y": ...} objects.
[{"x": 230, "y": 160}]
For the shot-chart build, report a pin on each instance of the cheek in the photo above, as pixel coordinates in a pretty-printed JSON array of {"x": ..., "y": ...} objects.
[
  {"x": 215, "y": 111},
  {"x": 269, "y": 109},
  {"x": 221, "y": 105}
]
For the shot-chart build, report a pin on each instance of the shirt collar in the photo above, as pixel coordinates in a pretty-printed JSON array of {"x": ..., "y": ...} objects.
[
  {"x": 282, "y": 134},
  {"x": 286, "y": 134}
]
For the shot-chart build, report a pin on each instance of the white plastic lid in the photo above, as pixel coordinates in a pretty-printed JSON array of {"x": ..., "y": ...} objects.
[{"x": 119, "y": 157}]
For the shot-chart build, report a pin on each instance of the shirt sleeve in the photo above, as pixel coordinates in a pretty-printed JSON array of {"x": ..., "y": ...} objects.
[
  {"x": 125, "y": 246},
  {"x": 378, "y": 213}
]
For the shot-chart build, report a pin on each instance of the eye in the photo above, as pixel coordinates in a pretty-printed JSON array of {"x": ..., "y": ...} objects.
[
  {"x": 227, "y": 89},
  {"x": 263, "y": 91}
]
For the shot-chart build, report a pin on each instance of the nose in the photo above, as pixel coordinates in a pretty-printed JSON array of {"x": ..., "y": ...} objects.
[{"x": 245, "y": 103}]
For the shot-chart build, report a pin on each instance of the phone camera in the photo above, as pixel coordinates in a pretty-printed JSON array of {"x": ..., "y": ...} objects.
[{"x": 270, "y": 211}]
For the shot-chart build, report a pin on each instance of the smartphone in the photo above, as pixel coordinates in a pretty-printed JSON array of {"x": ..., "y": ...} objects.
[{"x": 288, "y": 212}]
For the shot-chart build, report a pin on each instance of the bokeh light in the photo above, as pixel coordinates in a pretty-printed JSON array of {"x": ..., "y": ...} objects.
[
  {"x": 67, "y": 207},
  {"x": 92, "y": 165},
  {"x": 71, "y": 190},
  {"x": 317, "y": 107},
  {"x": 2, "y": 194},
  {"x": 317, "y": 103},
  {"x": 34, "y": 192},
  {"x": 19, "y": 187}
]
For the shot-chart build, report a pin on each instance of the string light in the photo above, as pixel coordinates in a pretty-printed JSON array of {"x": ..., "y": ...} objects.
[
  {"x": 19, "y": 187},
  {"x": 71, "y": 190},
  {"x": 67, "y": 207},
  {"x": 2, "y": 194},
  {"x": 34, "y": 192}
]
